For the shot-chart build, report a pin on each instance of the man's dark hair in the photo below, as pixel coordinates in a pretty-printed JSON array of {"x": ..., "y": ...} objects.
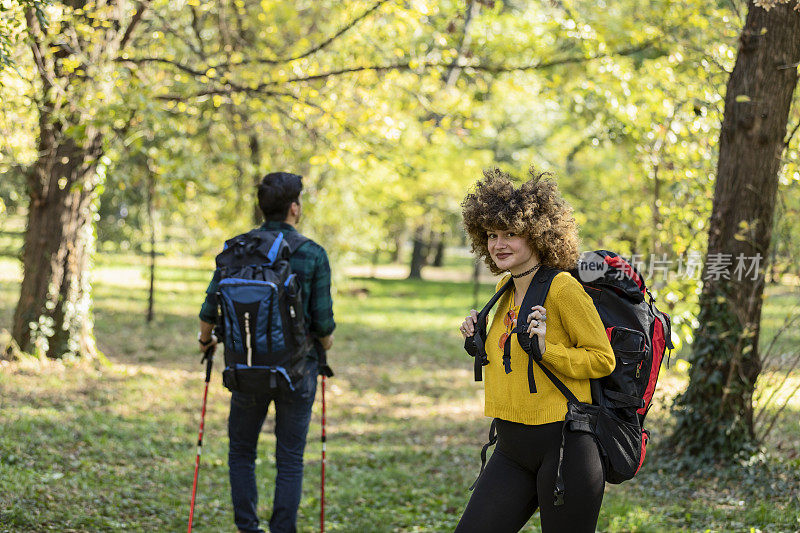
[{"x": 276, "y": 192}]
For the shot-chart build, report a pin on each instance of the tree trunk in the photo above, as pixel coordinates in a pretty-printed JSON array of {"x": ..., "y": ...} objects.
[
  {"x": 773, "y": 265},
  {"x": 151, "y": 219},
  {"x": 255, "y": 160},
  {"x": 53, "y": 315},
  {"x": 715, "y": 413},
  {"x": 438, "y": 258},
  {"x": 418, "y": 255},
  {"x": 398, "y": 247}
]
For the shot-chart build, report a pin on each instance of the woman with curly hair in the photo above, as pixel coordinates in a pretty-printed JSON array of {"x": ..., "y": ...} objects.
[{"x": 518, "y": 230}]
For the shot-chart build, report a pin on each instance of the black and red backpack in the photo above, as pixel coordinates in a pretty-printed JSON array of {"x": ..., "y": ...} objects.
[{"x": 639, "y": 335}]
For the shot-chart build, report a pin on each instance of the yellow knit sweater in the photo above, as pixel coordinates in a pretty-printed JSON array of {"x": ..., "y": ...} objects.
[{"x": 576, "y": 349}]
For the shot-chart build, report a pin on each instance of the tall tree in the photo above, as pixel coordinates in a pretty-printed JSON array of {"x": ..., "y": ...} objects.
[
  {"x": 715, "y": 413},
  {"x": 73, "y": 54}
]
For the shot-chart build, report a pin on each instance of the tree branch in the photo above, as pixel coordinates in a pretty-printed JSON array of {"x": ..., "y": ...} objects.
[
  {"x": 344, "y": 125},
  {"x": 170, "y": 29},
  {"x": 455, "y": 71},
  {"x": 36, "y": 37},
  {"x": 492, "y": 69},
  {"x": 137, "y": 18},
  {"x": 791, "y": 135},
  {"x": 565, "y": 8},
  {"x": 196, "y": 29},
  {"x": 310, "y": 51},
  {"x": 338, "y": 34},
  {"x": 226, "y": 91},
  {"x": 264, "y": 88},
  {"x": 777, "y": 415},
  {"x": 176, "y": 64},
  {"x": 736, "y": 9}
]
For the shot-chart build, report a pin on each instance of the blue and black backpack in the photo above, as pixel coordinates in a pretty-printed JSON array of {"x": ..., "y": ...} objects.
[{"x": 260, "y": 312}]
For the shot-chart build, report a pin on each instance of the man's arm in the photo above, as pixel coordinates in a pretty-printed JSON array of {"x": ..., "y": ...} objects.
[
  {"x": 321, "y": 303},
  {"x": 208, "y": 314},
  {"x": 327, "y": 341},
  {"x": 206, "y": 338}
]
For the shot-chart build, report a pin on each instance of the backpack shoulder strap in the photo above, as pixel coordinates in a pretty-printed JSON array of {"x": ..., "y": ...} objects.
[
  {"x": 295, "y": 240},
  {"x": 476, "y": 344},
  {"x": 535, "y": 295},
  {"x": 251, "y": 246},
  {"x": 558, "y": 383}
]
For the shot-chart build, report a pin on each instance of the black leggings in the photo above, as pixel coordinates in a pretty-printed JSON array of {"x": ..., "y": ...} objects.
[{"x": 520, "y": 477}]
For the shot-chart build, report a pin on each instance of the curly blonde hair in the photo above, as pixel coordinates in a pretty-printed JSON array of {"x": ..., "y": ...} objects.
[{"x": 534, "y": 210}]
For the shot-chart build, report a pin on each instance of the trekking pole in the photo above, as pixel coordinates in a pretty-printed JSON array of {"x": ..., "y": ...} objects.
[
  {"x": 209, "y": 359},
  {"x": 326, "y": 372},
  {"x": 322, "y": 485}
]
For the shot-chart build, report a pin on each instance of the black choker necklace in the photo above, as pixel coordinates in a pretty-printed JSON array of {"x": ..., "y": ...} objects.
[{"x": 516, "y": 276}]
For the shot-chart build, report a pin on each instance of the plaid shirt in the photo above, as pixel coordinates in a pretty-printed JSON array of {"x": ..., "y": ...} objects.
[{"x": 310, "y": 263}]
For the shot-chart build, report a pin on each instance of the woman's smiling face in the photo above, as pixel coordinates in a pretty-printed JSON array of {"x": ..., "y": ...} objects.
[{"x": 509, "y": 251}]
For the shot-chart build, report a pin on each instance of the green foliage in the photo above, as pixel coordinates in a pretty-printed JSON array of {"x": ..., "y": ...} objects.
[
  {"x": 399, "y": 150},
  {"x": 365, "y": 100},
  {"x": 11, "y": 26}
]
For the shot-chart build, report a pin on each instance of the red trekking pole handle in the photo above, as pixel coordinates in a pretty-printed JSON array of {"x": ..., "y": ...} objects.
[{"x": 208, "y": 357}]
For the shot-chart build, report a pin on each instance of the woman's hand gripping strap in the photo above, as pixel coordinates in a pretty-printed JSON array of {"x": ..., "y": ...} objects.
[
  {"x": 535, "y": 295},
  {"x": 475, "y": 344}
]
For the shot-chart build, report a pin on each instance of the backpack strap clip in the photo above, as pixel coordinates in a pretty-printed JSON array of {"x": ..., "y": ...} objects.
[{"x": 492, "y": 442}]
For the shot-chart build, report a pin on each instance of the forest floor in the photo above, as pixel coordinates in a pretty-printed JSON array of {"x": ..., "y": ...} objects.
[{"x": 111, "y": 447}]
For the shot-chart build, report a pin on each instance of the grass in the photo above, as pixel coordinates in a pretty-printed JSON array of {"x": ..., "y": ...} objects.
[
  {"x": 783, "y": 304},
  {"x": 111, "y": 448}
]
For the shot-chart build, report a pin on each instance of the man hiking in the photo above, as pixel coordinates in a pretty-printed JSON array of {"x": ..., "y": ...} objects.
[{"x": 293, "y": 390}]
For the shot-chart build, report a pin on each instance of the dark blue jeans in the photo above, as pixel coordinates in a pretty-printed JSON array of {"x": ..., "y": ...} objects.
[{"x": 292, "y": 417}]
